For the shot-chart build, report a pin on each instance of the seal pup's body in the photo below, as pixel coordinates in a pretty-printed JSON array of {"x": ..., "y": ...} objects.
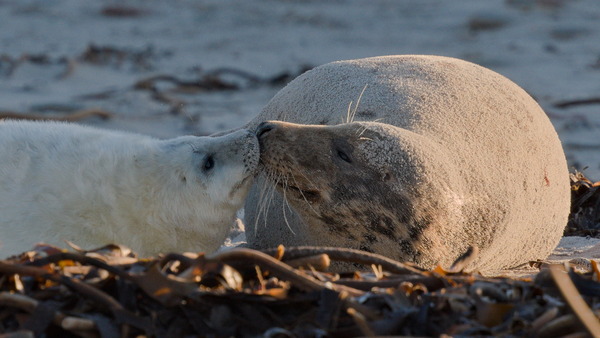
[
  {"x": 63, "y": 181},
  {"x": 459, "y": 157}
]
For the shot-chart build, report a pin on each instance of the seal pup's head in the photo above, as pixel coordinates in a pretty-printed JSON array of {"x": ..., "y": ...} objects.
[
  {"x": 222, "y": 168},
  {"x": 195, "y": 185},
  {"x": 366, "y": 184}
]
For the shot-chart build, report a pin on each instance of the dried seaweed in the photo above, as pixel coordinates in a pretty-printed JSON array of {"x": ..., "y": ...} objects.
[
  {"x": 70, "y": 117},
  {"x": 168, "y": 88},
  {"x": 218, "y": 80},
  {"x": 579, "y": 102},
  {"x": 121, "y": 11},
  {"x": 585, "y": 207},
  {"x": 243, "y": 292},
  {"x": 164, "y": 88},
  {"x": 111, "y": 292},
  {"x": 140, "y": 59},
  {"x": 116, "y": 57}
]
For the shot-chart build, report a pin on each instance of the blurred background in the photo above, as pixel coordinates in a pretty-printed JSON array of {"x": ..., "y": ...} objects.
[{"x": 174, "y": 67}]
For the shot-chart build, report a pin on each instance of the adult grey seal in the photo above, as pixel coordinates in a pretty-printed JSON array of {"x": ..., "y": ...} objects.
[
  {"x": 451, "y": 156},
  {"x": 62, "y": 181}
]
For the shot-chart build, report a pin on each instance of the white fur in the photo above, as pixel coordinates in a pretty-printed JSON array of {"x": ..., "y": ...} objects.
[{"x": 90, "y": 186}]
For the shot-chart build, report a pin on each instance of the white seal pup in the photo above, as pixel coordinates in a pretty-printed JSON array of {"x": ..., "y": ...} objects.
[
  {"x": 62, "y": 181},
  {"x": 452, "y": 156}
]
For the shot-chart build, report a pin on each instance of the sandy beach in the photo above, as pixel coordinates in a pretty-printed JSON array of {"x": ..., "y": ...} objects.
[{"x": 168, "y": 68}]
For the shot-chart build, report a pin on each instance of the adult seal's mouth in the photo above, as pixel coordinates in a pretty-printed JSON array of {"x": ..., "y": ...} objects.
[
  {"x": 308, "y": 195},
  {"x": 278, "y": 164}
]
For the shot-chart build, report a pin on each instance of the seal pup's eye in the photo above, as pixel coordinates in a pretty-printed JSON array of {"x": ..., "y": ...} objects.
[
  {"x": 343, "y": 156},
  {"x": 209, "y": 163}
]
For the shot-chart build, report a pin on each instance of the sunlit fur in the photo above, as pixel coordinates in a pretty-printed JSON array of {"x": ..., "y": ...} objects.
[
  {"x": 92, "y": 187},
  {"x": 377, "y": 202},
  {"x": 476, "y": 148}
]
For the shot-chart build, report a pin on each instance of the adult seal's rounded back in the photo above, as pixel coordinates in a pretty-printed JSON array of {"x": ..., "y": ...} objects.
[
  {"x": 450, "y": 155},
  {"x": 63, "y": 181}
]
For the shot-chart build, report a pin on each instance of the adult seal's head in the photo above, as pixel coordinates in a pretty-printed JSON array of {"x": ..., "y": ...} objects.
[
  {"x": 92, "y": 187},
  {"x": 360, "y": 183},
  {"x": 449, "y": 155}
]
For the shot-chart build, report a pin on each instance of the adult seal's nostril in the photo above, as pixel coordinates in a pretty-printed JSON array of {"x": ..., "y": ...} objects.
[{"x": 263, "y": 128}]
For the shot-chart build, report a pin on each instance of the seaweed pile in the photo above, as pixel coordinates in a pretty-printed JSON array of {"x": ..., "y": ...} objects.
[
  {"x": 286, "y": 292},
  {"x": 109, "y": 292},
  {"x": 168, "y": 89},
  {"x": 585, "y": 207}
]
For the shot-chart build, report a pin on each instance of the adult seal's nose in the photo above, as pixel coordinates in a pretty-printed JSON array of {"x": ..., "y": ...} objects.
[{"x": 264, "y": 128}]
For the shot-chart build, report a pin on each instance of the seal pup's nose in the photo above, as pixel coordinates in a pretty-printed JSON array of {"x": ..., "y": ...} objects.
[{"x": 263, "y": 128}]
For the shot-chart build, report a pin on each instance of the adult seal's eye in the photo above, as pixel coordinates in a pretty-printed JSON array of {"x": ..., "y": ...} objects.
[
  {"x": 344, "y": 157},
  {"x": 209, "y": 163}
]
